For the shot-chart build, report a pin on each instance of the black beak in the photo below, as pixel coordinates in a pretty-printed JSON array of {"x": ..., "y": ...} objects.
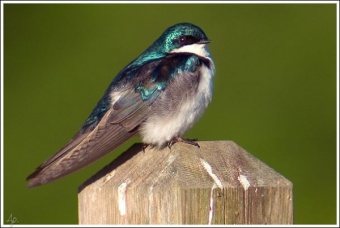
[{"x": 204, "y": 41}]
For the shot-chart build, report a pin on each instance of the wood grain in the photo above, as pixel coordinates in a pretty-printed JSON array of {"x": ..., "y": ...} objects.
[{"x": 218, "y": 183}]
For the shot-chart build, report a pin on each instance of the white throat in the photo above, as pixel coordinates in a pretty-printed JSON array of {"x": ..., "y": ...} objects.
[{"x": 197, "y": 49}]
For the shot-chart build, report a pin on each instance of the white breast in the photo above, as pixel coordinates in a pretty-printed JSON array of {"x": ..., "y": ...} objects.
[{"x": 157, "y": 130}]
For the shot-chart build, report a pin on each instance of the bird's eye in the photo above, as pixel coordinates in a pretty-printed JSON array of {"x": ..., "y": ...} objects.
[
  {"x": 182, "y": 40},
  {"x": 185, "y": 40}
]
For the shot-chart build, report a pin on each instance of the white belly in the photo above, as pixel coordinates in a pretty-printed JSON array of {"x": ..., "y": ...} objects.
[{"x": 159, "y": 129}]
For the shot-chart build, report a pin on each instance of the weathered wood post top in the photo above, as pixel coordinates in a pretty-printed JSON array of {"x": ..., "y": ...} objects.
[{"x": 218, "y": 183}]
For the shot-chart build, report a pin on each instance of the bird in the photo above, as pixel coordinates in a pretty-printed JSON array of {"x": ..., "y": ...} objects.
[{"x": 158, "y": 96}]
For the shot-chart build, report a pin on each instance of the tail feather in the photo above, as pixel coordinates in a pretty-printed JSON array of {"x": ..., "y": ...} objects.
[{"x": 82, "y": 150}]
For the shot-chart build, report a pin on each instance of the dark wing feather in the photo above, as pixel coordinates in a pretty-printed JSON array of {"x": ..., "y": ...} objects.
[
  {"x": 110, "y": 125},
  {"x": 81, "y": 151},
  {"x": 130, "y": 110}
]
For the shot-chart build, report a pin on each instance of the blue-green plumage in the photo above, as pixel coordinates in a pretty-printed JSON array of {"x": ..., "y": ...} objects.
[
  {"x": 157, "y": 51},
  {"x": 159, "y": 95}
]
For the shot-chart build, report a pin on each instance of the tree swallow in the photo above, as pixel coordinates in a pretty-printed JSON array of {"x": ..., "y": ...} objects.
[{"x": 159, "y": 95}]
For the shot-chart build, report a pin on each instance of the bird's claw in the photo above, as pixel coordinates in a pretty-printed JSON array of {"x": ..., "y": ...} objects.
[
  {"x": 179, "y": 139},
  {"x": 145, "y": 145}
]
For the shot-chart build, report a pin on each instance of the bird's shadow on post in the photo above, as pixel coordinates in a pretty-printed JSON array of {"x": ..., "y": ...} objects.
[{"x": 121, "y": 159}]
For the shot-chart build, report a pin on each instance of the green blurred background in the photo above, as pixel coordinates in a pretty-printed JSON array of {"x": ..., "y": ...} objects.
[{"x": 274, "y": 93}]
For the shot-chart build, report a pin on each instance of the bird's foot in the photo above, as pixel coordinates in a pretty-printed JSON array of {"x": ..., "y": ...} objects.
[
  {"x": 179, "y": 139},
  {"x": 145, "y": 145}
]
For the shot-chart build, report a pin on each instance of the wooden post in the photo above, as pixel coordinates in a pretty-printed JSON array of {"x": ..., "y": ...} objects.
[{"x": 218, "y": 183}]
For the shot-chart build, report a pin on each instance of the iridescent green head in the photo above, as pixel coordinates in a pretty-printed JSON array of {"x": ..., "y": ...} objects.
[{"x": 182, "y": 37}]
